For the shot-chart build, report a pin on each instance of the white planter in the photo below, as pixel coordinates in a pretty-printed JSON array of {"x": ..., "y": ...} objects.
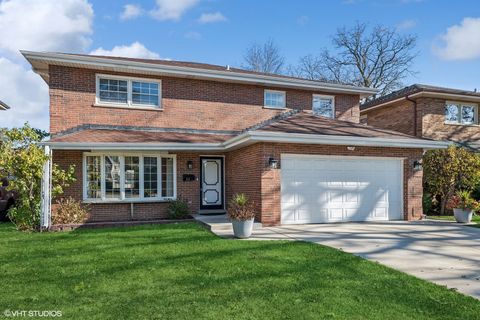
[
  {"x": 463, "y": 216},
  {"x": 242, "y": 229}
]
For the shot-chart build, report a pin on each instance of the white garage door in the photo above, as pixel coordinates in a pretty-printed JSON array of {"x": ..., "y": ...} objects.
[{"x": 318, "y": 189}]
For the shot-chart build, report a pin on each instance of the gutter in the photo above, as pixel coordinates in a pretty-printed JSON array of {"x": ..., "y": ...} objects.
[
  {"x": 253, "y": 137},
  {"x": 131, "y": 66},
  {"x": 415, "y": 117}
]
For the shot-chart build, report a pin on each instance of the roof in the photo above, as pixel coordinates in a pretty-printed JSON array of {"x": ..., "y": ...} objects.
[
  {"x": 414, "y": 90},
  {"x": 307, "y": 123},
  {"x": 138, "y": 136},
  {"x": 40, "y": 62},
  {"x": 3, "y": 106},
  {"x": 301, "y": 127}
]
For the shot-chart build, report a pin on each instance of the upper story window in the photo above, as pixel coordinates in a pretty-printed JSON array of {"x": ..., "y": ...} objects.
[
  {"x": 274, "y": 99},
  {"x": 323, "y": 106},
  {"x": 129, "y": 92},
  {"x": 461, "y": 113}
]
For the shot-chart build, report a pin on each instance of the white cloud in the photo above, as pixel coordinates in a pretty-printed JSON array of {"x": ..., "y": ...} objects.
[
  {"x": 212, "y": 17},
  {"x": 45, "y": 25},
  {"x": 172, "y": 9},
  {"x": 40, "y": 25},
  {"x": 193, "y": 35},
  {"x": 131, "y": 11},
  {"x": 460, "y": 42},
  {"x": 134, "y": 50},
  {"x": 406, "y": 24},
  {"x": 27, "y": 95}
]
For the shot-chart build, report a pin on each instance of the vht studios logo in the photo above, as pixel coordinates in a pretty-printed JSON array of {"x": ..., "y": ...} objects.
[{"x": 32, "y": 313}]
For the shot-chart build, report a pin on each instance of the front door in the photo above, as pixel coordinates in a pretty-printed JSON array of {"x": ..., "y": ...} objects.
[{"x": 211, "y": 187}]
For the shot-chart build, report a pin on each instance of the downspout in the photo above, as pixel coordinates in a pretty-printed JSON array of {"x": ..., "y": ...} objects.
[{"x": 414, "y": 114}]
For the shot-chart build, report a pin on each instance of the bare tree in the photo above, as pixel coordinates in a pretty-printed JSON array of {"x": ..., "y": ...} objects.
[
  {"x": 264, "y": 58},
  {"x": 378, "y": 59}
]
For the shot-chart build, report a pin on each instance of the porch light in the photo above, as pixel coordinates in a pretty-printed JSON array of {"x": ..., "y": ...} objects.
[
  {"x": 417, "y": 165},
  {"x": 190, "y": 164},
  {"x": 272, "y": 163}
]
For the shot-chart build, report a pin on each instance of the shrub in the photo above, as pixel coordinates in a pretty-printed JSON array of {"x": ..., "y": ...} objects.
[
  {"x": 427, "y": 202},
  {"x": 178, "y": 209},
  {"x": 448, "y": 170},
  {"x": 463, "y": 200},
  {"x": 69, "y": 210},
  {"x": 240, "y": 208}
]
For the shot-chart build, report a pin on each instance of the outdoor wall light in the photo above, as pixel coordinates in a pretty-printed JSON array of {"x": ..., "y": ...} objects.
[
  {"x": 272, "y": 163},
  {"x": 417, "y": 165},
  {"x": 190, "y": 164},
  {"x": 351, "y": 148}
]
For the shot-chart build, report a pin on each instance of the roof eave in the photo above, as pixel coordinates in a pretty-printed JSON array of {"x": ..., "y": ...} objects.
[{"x": 104, "y": 63}]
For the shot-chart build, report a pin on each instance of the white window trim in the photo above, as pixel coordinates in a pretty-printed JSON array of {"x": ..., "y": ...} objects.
[
  {"x": 284, "y": 93},
  {"x": 122, "y": 156},
  {"x": 129, "y": 103},
  {"x": 324, "y": 96},
  {"x": 461, "y": 105}
]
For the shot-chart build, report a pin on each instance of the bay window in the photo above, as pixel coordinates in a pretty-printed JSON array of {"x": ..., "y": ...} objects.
[
  {"x": 129, "y": 177},
  {"x": 461, "y": 113}
]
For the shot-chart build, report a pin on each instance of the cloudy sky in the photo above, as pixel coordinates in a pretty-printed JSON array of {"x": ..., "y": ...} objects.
[{"x": 218, "y": 31}]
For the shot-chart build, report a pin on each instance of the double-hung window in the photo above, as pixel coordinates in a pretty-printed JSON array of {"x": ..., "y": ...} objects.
[
  {"x": 129, "y": 177},
  {"x": 128, "y": 92},
  {"x": 274, "y": 99},
  {"x": 461, "y": 113},
  {"x": 323, "y": 106}
]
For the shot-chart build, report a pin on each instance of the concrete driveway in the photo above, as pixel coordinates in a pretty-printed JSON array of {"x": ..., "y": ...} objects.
[{"x": 445, "y": 253}]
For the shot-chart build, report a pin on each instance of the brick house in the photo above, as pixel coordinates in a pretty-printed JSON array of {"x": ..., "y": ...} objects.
[
  {"x": 428, "y": 112},
  {"x": 144, "y": 132}
]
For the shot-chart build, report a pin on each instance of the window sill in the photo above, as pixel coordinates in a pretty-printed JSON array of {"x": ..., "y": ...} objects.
[
  {"x": 461, "y": 124},
  {"x": 111, "y": 201},
  {"x": 122, "y": 106},
  {"x": 274, "y": 108}
]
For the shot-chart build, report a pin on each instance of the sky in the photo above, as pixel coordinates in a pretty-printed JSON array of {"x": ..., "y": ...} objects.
[{"x": 218, "y": 32}]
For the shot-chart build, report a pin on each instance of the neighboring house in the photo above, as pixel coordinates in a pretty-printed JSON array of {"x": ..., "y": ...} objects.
[
  {"x": 144, "y": 132},
  {"x": 3, "y": 105},
  {"x": 428, "y": 112}
]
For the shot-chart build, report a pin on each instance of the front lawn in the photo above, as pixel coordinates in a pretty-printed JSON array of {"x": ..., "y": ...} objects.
[
  {"x": 182, "y": 271},
  {"x": 475, "y": 219}
]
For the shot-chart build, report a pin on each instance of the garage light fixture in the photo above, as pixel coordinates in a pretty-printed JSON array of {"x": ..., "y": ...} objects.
[
  {"x": 272, "y": 163},
  {"x": 417, "y": 165},
  {"x": 190, "y": 164}
]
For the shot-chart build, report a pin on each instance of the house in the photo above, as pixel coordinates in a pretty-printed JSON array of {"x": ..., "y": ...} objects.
[
  {"x": 428, "y": 112},
  {"x": 3, "y": 105},
  {"x": 144, "y": 132}
]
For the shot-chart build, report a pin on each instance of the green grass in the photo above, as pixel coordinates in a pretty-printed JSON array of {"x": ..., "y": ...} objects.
[
  {"x": 475, "y": 219},
  {"x": 181, "y": 271}
]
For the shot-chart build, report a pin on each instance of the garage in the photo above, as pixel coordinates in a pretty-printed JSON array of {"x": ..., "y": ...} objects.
[{"x": 322, "y": 189}]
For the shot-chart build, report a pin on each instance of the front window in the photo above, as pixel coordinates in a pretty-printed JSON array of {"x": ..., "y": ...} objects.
[
  {"x": 129, "y": 177},
  {"x": 323, "y": 106},
  {"x": 274, "y": 99},
  {"x": 460, "y": 113},
  {"x": 130, "y": 92}
]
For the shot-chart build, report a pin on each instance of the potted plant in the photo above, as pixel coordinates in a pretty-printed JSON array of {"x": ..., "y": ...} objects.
[
  {"x": 464, "y": 206},
  {"x": 242, "y": 214}
]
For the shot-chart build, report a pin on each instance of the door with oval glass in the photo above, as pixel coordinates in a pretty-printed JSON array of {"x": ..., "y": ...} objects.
[{"x": 211, "y": 187}]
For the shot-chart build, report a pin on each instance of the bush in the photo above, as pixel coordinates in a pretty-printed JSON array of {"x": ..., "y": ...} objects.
[
  {"x": 69, "y": 211},
  {"x": 240, "y": 208},
  {"x": 427, "y": 202},
  {"x": 178, "y": 209}
]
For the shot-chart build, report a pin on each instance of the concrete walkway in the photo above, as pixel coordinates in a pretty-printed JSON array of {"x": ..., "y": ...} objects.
[{"x": 442, "y": 252}]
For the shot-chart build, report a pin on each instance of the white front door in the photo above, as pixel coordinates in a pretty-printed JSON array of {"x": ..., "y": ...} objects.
[
  {"x": 316, "y": 189},
  {"x": 211, "y": 190}
]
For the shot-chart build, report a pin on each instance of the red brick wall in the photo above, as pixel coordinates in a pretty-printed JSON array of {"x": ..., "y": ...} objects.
[
  {"x": 270, "y": 184},
  {"x": 398, "y": 117},
  {"x": 186, "y": 190},
  {"x": 187, "y": 103}
]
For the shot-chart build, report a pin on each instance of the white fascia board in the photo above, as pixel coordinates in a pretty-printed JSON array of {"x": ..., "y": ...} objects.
[
  {"x": 349, "y": 141},
  {"x": 134, "y": 146},
  {"x": 126, "y": 66}
]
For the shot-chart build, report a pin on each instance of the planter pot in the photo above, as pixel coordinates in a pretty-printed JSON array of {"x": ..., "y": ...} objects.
[
  {"x": 242, "y": 229},
  {"x": 463, "y": 216}
]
